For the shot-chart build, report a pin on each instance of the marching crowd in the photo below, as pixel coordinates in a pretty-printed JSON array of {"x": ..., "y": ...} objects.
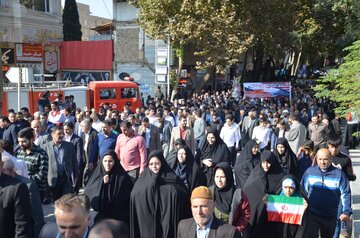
[{"x": 195, "y": 167}]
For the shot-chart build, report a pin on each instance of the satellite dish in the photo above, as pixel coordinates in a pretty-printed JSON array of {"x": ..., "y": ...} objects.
[{"x": 123, "y": 75}]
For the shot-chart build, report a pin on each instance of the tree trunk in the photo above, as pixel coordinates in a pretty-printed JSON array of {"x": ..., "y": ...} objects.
[
  {"x": 297, "y": 63},
  {"x": 258, "y": 65}
]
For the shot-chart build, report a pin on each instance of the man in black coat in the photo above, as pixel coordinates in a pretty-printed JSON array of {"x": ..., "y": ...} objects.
[
  {"x": 88, "y": 137},
  {"x": 15, "y": 208},
  {"x": 204, "y": 223},
  {"x": 10, "y": 131},
  {"x": 70, "y": 136}
]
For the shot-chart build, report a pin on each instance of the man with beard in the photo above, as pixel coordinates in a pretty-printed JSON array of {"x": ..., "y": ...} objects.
[
  {"x": 63, "y": 165},
  {"x": 184, "y": 132},
  {"x": 36, "y": 160},
  {"x": 105, "y": 140},
  {"x": 131, "y": 151}
]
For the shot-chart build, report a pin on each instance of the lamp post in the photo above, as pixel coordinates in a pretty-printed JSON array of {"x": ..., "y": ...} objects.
[{"x": 168, "y": 66}]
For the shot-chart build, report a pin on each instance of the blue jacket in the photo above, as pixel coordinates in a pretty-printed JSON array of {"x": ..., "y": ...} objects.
[
  {"x": 325, "y": 191},
  {"x": 101, "y": 145}
]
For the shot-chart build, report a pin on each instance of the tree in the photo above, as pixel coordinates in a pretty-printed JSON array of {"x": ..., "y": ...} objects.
[
  {"x": 342, "y": 85},
  {"x": 220, "y": 30},
  {"x": 71, "y": 24}
]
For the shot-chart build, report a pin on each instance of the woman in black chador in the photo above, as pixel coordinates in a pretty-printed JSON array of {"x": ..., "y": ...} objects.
[
  {"x": 286, "y": 157},
  {"x": 158, "y": 201},
  {"x": 213, "y": 152},
  {"x": 109, "y": 189},
  {"x": 186, "y": 168},
  {"x": 264, "y": 179},
  {"x": 246, "y": 162}
]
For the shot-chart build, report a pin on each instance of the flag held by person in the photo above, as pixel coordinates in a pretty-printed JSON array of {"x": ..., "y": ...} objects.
[{"x": 285, "y": 209}]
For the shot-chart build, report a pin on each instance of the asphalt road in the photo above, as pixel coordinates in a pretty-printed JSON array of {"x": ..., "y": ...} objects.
[{"x": 355, "y": 190}]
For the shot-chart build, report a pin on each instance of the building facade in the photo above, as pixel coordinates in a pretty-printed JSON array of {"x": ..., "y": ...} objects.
[
  {"x": 134, "y": 52},
  {"x": 88, "y": 22}
]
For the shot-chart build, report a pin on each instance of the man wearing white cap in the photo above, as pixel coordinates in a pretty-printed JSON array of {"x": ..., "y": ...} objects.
[{"x": 204, "y": 224}]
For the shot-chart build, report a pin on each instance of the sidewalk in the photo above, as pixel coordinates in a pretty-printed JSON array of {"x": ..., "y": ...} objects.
[{"x": 355, "y": 190}]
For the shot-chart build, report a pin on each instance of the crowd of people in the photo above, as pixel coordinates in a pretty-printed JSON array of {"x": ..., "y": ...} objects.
[{"x": 195, "y": 167}]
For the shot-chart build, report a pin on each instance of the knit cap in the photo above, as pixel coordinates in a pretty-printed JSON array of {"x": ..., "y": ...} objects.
[{"x": 201, "y": 192}]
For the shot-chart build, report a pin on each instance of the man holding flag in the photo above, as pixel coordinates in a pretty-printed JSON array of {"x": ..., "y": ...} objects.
[{"x": 326, "y": 187}]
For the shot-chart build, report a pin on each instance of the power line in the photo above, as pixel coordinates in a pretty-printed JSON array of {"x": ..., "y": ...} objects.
[{"x": 107, "y": 9}]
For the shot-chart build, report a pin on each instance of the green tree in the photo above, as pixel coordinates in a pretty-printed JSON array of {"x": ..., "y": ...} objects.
[
  {"x": 221, "y": 30},
  {"x": 342, "y": 85},
  {"x": 71, "y": 24}
]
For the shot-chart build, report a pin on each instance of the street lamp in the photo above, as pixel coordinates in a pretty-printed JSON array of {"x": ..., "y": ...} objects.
[
  {"x": 168, "y": 66},
  {"x": 170, "y": 20}
]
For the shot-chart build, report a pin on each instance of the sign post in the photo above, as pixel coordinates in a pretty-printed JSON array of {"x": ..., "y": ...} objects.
[
  {"x": 168, "y": 66},
  {"x": 15, "y": 76},
  {"x": 19, "y": 89},
  {"x": 162, "y": 65}
]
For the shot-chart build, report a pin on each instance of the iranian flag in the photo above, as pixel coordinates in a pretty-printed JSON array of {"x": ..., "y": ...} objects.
[{"x": 285, "y": 209}]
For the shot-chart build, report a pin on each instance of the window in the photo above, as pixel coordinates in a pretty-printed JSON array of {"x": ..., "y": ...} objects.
[
  {"x": 107, "y": 93},
  {"x": 37, "y": 5},
  {"x": 128, "y": 93}
]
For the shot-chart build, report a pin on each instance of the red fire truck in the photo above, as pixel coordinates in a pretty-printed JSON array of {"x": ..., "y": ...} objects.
[{"x": 116, "y": 93}]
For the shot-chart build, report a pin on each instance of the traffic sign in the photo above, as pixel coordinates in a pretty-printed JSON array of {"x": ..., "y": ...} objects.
[{"x": 14, "y": 74}]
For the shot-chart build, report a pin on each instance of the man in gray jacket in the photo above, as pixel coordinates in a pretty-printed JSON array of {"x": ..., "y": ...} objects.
[
  {"x": 318, "y": 132},
  {"x": 63, "y": 165},
  {"x": 296, "y": 136}
]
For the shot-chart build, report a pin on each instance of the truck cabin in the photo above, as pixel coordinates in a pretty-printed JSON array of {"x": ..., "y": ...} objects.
[{"x": 116, "y": 93}]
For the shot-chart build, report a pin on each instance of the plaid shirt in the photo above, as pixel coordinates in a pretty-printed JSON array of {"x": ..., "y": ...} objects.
[{"x": 37, "y": 163}]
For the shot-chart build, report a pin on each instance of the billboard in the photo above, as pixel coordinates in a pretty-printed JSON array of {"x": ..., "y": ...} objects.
[
  {"x": 267, "y": 90},
  {"x": 29, "y": 52}
]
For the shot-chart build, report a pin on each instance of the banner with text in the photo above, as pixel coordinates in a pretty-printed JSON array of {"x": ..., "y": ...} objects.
[{"x": 267, "y": 90}]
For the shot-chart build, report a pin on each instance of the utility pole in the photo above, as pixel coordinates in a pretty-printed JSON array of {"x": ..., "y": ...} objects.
[{"x": 168, "y": 66}]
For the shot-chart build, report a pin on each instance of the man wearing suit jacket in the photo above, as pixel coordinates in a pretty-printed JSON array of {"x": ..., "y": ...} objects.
[
  {"x": 183, "y": 132},
  {"x": 79, "y": 147},
  {"x": 151, "y": 135},
  {"x": 10, "y": 131},
  {"x": 36, "y": 206},
  {"x": 88, "y": 137},
  {"x": 77, "y": 128},
  {"x": 204, "y": 223},
  {"x": 165, "y": 128},
  {"x": 63, "y": 165},
  {"x": 296, "y": 136},
  {"x": 15, "y": 208}
]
